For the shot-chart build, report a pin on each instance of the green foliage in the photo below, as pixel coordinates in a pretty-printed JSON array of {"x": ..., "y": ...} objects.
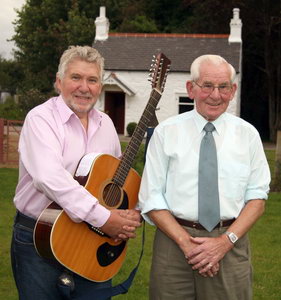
[
  {"x": 8, "y": 178},
  {"x": 265, "y": 241},
  {"x": 79, "y": 28},
  {"x": 140, "y": 24},
  {"x": 44, "y": 29},
  {"x": 11, "y": 74},
  {"x": 131, "y": 128},
  {"x": 10, "y": 110},
  {"x": 31, "y": 98},
  {"x": 169, "y": 16}
]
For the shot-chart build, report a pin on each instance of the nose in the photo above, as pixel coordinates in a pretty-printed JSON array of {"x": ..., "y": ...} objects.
[
  {"x": 84, "y": 86},
  {"x": 215, "y": 93}
]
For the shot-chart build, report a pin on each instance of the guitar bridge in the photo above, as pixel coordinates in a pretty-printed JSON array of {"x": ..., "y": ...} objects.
[{"x": 97, "y": 230}]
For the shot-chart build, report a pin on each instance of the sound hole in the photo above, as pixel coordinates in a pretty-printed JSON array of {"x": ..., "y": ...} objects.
[{"x": 112, "y": 195}]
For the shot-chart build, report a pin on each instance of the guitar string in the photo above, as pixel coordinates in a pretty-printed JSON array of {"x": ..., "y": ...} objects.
[{"x": 112, "y": 194}]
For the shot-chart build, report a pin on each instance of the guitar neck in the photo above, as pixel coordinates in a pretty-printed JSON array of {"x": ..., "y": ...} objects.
[{"x": 136, "y": 140}]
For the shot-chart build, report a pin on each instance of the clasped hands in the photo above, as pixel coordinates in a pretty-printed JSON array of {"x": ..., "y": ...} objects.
[
  {"x": 122, "y": 224},
  {"x": 205, "y": 254}
]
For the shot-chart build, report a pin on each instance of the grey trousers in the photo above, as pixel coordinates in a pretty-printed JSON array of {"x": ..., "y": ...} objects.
[{"x": 171, "y": 278}]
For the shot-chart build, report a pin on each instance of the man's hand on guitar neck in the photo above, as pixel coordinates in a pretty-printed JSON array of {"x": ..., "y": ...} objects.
[{"x": 122, "y": 224}]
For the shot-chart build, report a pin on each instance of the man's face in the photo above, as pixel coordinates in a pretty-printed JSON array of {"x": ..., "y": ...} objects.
[
  {"x": 211, "y": 104},
  {"x": 81, "y": 86}
]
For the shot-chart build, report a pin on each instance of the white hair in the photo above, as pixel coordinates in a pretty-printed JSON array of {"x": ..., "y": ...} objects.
[
  {"x": 85, "y": 53},
  {"x": 215, "y": 60}
]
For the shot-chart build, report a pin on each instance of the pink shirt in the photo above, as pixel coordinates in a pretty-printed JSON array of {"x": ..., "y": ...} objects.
[{"x": 52, "y": 142}]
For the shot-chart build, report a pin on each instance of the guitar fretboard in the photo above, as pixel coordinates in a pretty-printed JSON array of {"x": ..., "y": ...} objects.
[{"x": 137, "y": 137}]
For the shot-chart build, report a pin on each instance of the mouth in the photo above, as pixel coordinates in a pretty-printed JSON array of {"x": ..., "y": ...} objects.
[
  {"x": 83, "y": 97},
  {"x": 213, "y": 104}
]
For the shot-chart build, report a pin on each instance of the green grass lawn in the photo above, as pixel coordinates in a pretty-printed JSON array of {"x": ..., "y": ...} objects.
[{"x": 265, "y": 239}]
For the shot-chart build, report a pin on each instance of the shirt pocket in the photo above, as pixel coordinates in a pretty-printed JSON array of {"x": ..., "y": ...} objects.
[{"x": 233, "y": 180}]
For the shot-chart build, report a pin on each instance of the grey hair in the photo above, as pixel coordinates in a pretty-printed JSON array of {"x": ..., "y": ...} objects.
[
  {"x": 214, "y": 59},
  {"x": 85, "y": 53}
]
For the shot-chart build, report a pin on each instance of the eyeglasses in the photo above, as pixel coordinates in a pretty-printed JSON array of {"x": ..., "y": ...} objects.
[{"x": 208, "y": 88}]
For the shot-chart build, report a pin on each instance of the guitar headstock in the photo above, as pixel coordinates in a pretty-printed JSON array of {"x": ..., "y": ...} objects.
[{"x": 159, "y": 70}]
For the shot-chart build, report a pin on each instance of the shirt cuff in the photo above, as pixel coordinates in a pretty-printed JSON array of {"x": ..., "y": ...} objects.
[
  {"x": 251, "y": 195},
  {"x": 101, "y": 215}
]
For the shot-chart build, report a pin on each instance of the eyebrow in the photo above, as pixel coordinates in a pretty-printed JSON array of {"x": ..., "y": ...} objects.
[
  {"x": 222, "y": 83},
  {"x": 78, "y": 74}
]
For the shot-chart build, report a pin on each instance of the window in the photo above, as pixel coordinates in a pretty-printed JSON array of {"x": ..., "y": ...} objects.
[{"x": 185, "y": 104}]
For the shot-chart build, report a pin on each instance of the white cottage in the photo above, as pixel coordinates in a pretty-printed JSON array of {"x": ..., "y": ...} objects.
[{"x": 128, "y": 57}]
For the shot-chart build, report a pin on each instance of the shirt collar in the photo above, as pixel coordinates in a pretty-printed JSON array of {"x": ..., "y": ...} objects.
[
  {"x": 201, "y": 122},
  {"x": 66, "y": 113}
]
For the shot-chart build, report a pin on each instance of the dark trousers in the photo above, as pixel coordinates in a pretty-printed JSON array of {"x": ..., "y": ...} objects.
[{"x": 37, "y": 278}]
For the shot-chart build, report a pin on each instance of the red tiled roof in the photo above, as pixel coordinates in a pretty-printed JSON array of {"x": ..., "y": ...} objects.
[{"x": 164, "y": 35}]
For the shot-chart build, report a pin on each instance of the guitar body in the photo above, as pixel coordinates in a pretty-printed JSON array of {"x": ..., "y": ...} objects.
[{"x": 78, "y": 246}]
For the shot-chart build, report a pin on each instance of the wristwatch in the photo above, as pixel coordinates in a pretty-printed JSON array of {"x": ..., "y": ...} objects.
[{"x": 232, "y": 237}]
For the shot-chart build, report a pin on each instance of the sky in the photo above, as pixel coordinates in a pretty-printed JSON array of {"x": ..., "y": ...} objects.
[{"x": 7, "y": 16}]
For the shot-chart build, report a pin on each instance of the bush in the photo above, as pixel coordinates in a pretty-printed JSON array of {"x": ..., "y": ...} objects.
[
  {"x": 10, "y": 110},
  {"x": 31, "y": 98},
  {"x": 131, "y": 127}
]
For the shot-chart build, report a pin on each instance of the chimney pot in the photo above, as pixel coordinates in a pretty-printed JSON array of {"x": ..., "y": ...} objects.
[
  {"x": 102, "y": 26},
  {"x": 235, "y": 28}
]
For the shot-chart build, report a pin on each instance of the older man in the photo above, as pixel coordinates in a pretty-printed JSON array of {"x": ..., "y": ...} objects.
[{"x": 204, "y": 186}]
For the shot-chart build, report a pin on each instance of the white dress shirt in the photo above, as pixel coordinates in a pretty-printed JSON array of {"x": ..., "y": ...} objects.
[{"x": 170, "y": 177}]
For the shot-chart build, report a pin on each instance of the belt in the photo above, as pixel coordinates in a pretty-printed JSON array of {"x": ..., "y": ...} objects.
[
  {"x": 224, "y": 223},
  {"x": 25, "y": 220}
]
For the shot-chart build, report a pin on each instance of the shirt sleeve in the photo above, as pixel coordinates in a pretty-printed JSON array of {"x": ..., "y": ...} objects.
[
  {"x": 41, "y": 151},
  {"x": 152, "y": 190},
  {"x": 259, "y": 180}
]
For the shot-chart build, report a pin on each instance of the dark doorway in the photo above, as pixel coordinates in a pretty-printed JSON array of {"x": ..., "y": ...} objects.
[{"x": 114, "y": 106}]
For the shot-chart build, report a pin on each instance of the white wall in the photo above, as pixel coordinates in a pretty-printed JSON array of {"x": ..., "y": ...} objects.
[{"x": 168, "y": 104}]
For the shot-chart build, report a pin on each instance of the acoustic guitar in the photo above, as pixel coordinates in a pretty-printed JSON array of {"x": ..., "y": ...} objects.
[{"x": 80, "y": 247}]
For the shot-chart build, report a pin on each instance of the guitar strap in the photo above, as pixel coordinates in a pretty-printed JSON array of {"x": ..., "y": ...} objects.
[
  {"x": 122, "y": 288},
  {"x": 150, "y": 129},
  {"x": 65, "y": 284}
]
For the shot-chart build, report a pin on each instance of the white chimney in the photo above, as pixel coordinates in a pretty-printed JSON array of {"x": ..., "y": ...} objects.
[
  {"x": 102, "y": 26},
  {"x": 235, "y": 28}
]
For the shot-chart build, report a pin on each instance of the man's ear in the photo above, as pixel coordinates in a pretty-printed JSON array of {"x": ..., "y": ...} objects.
[
  {"x": 234, "y": 88},
  {"x": 189, "y": 88},
  {"x": 58, "y": 83}
]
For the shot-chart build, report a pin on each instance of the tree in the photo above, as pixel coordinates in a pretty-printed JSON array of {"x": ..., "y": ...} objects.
[
  {"x": 272, "y": 30},
  {"x": 262, "y": 64},
  {"x": 44, "y": 29},
  {"x": 276, "y": 184},
  {"x": 11, "y": 75},
  {"x": 140, "y": 24}
]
